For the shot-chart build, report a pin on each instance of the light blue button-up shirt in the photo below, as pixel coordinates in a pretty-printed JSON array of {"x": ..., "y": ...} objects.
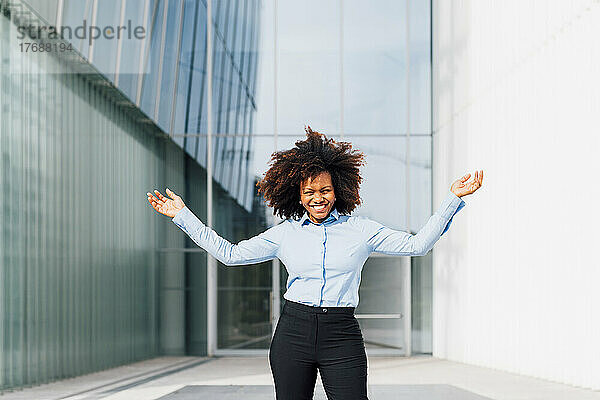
[{"x": 324, "y": 261}]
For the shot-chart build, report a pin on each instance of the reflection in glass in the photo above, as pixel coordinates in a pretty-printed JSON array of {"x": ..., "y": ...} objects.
[
  {"x": 420, "y": 182},
  {"x": 244, "y": 293},
  {"x": 265, "y": 92},
  {"x": 150, "y": 80},
  {"x": 374, "y": 67},
  {"x": 195, "y": 263},
  {"x": 420, "y": 211},
  {"x": 422, "y": 303},
  {"x": 75, "y": 12},
  {"x": 169, "y": 59},
  {"x": 191, "y": 96},
  {"x": 383, "y": 190},
  {"x": 131, "y": 49},
  {"x": 104, "y": 49},
  {"x": 309, "y": 67},
  {"x": 420, "y": 67},
  {"x": 381, "y": 293}
]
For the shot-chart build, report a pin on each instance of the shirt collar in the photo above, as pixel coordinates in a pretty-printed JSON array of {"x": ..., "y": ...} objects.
[{"x": 333, "y": 215}]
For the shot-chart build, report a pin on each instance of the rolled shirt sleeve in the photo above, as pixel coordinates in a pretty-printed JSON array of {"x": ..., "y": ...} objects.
[
  {"x": 257, "y": 249},
  {"x": 393, "y": 242}
]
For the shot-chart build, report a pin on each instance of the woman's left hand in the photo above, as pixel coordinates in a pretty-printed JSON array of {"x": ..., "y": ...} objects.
[{"x": 462, "y": 188}]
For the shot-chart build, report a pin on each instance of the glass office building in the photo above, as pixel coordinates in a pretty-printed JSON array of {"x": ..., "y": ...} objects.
[{"x": 91, "y": 276}]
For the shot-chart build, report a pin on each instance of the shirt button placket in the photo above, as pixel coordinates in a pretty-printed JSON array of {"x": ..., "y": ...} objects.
[{"x": 323, "y": 251}]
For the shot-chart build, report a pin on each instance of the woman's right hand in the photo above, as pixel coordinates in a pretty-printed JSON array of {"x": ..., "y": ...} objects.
[{"x": 164, "y": 205}]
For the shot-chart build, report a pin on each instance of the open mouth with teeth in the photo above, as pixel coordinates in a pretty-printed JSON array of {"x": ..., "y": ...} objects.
[{"x": 319, "y": 208}]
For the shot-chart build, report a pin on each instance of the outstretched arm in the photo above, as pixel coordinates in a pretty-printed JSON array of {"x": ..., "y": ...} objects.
[
  {"x": 393, "y": 242},
  {"x": 260, "y": 248}
]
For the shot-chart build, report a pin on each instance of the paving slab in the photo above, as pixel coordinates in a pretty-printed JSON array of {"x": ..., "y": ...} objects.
[{"x": 375, "y": 392}]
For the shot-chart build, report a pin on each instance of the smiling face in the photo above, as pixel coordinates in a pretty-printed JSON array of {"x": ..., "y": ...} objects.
[{"x": 317, "y": 196}]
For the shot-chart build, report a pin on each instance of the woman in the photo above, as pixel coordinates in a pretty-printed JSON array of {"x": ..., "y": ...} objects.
[{"x": 315, "y": 186}]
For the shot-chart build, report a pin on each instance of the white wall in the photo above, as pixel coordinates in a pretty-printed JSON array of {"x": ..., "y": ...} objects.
[{"x": 517, "y": 278}]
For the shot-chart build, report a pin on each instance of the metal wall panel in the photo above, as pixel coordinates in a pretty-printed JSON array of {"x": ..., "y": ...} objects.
[
  {"x": 79, "y": 270},
  {"x": 516, "y": 284}
]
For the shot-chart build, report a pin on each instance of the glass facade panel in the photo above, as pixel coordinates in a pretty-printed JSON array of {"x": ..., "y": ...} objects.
[
  {"x": 383, "y": 193},
  {"x": 374, "y": 67},
  {"x": 104, "y": 49},
  {"x": 195, "y": 266},
  {"x": 384, "y": 189},
  {"x": 151, "y": 79},
  {"x": 189, "y": 94},
  {"x": 375, "y": 76},
  {"x": 191, "y": 107},
  {"x": 421, "y": 304},
  {"x": 309, "y": 66},
  {"x": 420, "y": 67},
  {"x": 223, "y": 69},
  {"x": 420, "y": 211},
  {"x": 245, "y": 292},
  {"x": 264, "y": 98},
  {"x": 248, "y": 103},
  {"x": 132, "y": 49},
  {"x": 219, "y": 53},
  {"x": 420, "y": 182},
  {"x": 169, "y": 61},
  {"x": 75, "y": 12},
  {"x": 381, "y": 293}
]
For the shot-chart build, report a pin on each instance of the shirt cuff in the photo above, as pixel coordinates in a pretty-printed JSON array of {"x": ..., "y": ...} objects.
[
  {"x": 187, "y": 221},
  {"x": 451, "y": 205}
]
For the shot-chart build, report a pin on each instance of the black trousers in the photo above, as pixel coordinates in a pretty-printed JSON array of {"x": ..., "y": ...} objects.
[{"x": 325, "y": 338}]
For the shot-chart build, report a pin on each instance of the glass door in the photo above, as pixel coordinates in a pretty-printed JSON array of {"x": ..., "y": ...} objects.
[
  {"x": 384, "y": 306},
  {"x": 244, "y": 293},
  {"x": 244, "y": 307}
]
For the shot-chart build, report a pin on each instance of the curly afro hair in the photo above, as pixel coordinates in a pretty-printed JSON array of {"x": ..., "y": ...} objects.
[{"x": 281, "y": 183}]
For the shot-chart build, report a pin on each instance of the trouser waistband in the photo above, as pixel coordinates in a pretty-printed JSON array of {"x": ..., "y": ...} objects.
[{"x": 317, "y": 310}]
